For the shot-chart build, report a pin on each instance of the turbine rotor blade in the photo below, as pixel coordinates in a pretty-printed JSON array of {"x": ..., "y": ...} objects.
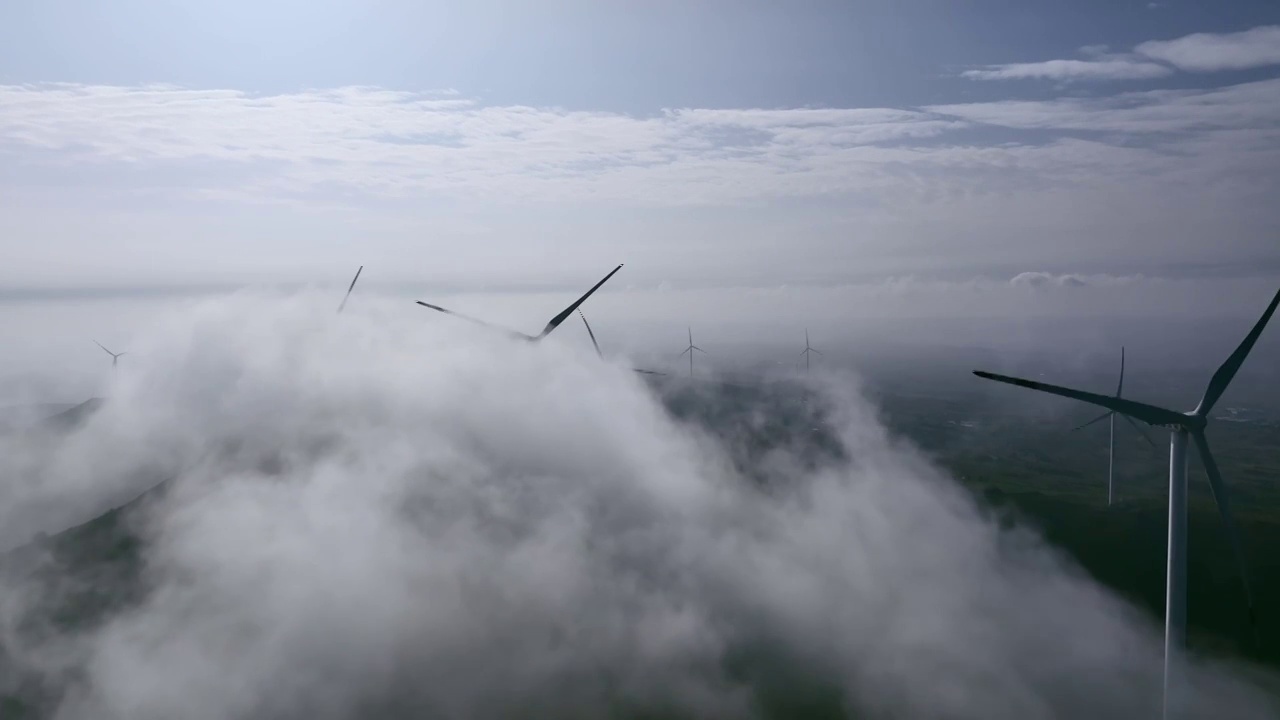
[
  {"x": 1120, "y": 387},
  {"x": 1103, "y": 416},
  {"x": 704, "y": 352},
  {"x": 686, "y": 350},
  {"x": 476, "y": 321},
  {"x": 1219, "y": 489},
  {"x": 815, "y": 352},
  {"x": 95, "y": 342},
  {"x": 350, "y": 288},
  {"x": 648, "y": 372},
  {"x": 1150, "y": 414},
  {"x": 555, "y": 321},
  {"x": 1141, "y": 432},
  {"x": 593, "y": 335},
  {"x": 1222, "y": 378}
]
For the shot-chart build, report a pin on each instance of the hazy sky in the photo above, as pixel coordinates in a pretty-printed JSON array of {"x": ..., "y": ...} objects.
[{"x": 745, "y": 143}]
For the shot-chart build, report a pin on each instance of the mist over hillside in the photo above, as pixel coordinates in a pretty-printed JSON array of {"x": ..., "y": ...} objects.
[{"x": 370, "y": 513}]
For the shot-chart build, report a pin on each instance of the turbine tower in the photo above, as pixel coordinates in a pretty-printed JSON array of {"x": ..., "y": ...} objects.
[
  {"x": 551, "y": 324},
  {"x": 1182, "y": 427},
  {"x": 1111, "y": 445},
  {"x": 349, "y": 289},
  {"x": 690, "y": 350},
  {"x": 115, "y": 357},
  {"x": 597, "y": 345},
  {"x": 807, "y": 350}
]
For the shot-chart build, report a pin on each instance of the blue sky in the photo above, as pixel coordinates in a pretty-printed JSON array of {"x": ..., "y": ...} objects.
[{"x": 714, "y": 143}]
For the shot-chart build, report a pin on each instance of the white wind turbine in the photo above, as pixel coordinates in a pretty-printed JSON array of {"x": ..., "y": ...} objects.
[
  {"x": 691, "y": 350},
  {"x": 115, "y": 357},
  {"x": 807, "y": 350},
  {"x": 551, "y": 324},
  {"x": 1182, "y": 427},
  {"x": 1111, "y": 444}
]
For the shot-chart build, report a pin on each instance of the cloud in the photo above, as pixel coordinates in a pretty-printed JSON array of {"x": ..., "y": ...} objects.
[
  {"x": 1071, "y": 280},
  {"x": 1200, "y": 52},
  {"x": 372, "y": 141},
  {"x": 1118, "y": 69},
  {"x": 507, "y": 530},
  {"x": 1213, "y": 52}
]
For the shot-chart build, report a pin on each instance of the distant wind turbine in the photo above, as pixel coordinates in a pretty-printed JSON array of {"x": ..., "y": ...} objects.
[
  {"x": 1111, "y": 446},
  {"x": 597, "y": 345},
  {"x": 349, "y": 289},
  {"x": 551, "y": 325},
  {"x": 807, "y": 350},
  {"x": 690, "y": 350},
  {"x": 115, "y": 357},
  {"x": 1182, "y": 426}
]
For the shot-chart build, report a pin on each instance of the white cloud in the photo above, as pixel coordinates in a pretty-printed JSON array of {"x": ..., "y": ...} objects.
[
  {"x": 1201, "y": 52},
  {"x": 508, "y": 531},
  {"x": 376, "y": 141},
  {"x": 1211, "y": 52},
  {"x": 1115, "y": 69},
  {"x": 1070, "y": 280}
]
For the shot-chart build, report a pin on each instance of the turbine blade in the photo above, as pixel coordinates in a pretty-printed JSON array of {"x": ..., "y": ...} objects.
[
  {"x": 704, "y": 352},
  {"x": 815, "y": 351},
  {"x": 593, "y": 335},
  {"x": 1141, "y": 432},
  {"x": 804, "y": 352},
  {"x": 1222, "y": 378},
  {"x": 95, "y": 342},
  {"x": 350, "y": 288},
  {"x": 477, "y": 321},
  {"x": 1228, "y": 522},
  {"x": 686, "y": 350},
  {"x": 1150, "y": 414},
  {"x": 1103, "y": 416},
  {"x": 1120, "y": 387},
  {"x": 648, "y": 372},
  {"x": 555, "y": 321}
]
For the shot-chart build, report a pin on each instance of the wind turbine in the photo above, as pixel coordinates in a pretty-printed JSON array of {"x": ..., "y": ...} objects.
[
  {"x": 1182, "y": 427},
  {"x": 690, "y": 350},
  {"x": 597, "y": 346},
  {"x": 807, "y": 350},
  {"x": 115, "y": 357},
  {"x": 551, "y": 324},
  {"x": 349, "y": 289},
  {"x": 1111, "y": 446}
]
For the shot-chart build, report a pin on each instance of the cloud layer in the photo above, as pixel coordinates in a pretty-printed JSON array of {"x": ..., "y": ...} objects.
[
  {"x": 1197, "y": 53},
  {"x": 377, "y": 516}
]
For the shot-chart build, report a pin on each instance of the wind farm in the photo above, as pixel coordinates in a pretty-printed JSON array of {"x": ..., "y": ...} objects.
[
  {"x": 1183, "y": 427},
  {"x": 838, "y": 501}
]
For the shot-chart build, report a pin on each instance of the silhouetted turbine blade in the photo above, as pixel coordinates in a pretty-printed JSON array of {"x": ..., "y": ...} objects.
[
  {"x": 350, "y": 288},
  {"x": 477, "y": 321},
  {"x": 648, "y": 372},
  {"x": 593, "y": 335},
  {"x": 1103, "y": 416},
  {"x": 686, "y": 350},
  {"x": 1224, "y": 510},
  {"x": 1149, "y": 414},
  {"x": 1120, "y": 387},
  {"x": 819, "y": 354},
  {"x": 1141, "y": 432},
  {"x": 695, "y": 347},
  {"x": 555, "y": 321},
  {"x": 95, "y": 342},
  {"x": 1222, "y": 378}
]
